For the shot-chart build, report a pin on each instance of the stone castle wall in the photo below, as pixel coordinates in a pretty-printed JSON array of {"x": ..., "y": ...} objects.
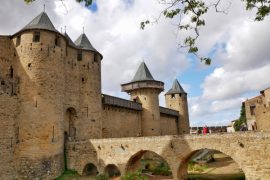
[
  {"x": 263, "y": 118},
  {"x": 120, "y": 122},
  {"x": 169, "y": 124},
  {"x": 8, "y": 135},
  {"x": 258, "y": 111}
]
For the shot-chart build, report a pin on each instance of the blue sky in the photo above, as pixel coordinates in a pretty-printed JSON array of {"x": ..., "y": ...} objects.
[{"x": 237, "y": 45}]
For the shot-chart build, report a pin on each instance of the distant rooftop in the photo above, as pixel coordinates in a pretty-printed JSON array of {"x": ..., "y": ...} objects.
[
  {"x": 142, "y": 74},
  {"x": 42, "y": 21},
  {"x": 176, "y": 88},
  {"x": 84, "y": 43}
]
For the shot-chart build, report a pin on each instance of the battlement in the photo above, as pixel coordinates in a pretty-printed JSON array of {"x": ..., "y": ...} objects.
[
  {"x": 168, "y": 111},
  {"x": 152, "y": 84},
  {"x": 119, "y": 102}
]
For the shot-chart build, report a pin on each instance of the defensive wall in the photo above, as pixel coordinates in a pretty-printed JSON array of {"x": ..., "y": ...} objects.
[{"x": 250, "y": 150}]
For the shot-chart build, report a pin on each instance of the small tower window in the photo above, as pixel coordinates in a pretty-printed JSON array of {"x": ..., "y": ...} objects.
[
  {"x": 11, "y": 72},
  {"x": 79, "y": 55},
  {"x": 18, "y": 41},
  {"x": 173, "y": 96},
  {"x": 57, "y": 41},
  {"x": 95, "y": 58},
  {"x": 36, "y": 37}
]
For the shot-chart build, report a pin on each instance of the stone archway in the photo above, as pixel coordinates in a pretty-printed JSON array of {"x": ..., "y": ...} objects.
[
  {"x": 90, "y": 170},
  {"x": 69, "y": 125},
  {"x": 112, "y": 170},
  {"x": 149, "y": 162},
  {"x": 205, "y": 155}
]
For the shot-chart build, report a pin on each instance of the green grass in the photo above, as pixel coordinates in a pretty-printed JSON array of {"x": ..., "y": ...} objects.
[
  {"x": 68, "y": 174},
  {"x": 195, "y": 167},
  {"x": 217, "y": 176},
  {"x": 134, "y": 176}
]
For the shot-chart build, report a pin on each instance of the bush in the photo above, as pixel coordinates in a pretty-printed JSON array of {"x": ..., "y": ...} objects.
[
  {"x": 163, "y": 170},
  {"x": 134, "y": 176},
  {"x": 102, "y": 176}
]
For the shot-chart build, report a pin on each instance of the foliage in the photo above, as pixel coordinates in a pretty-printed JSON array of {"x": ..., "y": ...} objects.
[
  {"x": 242, "y": 120},
  {"x": 67, "y": 174},
  {"x": 103, "y": 176},
  {"x": 195, "y": 10},
  {"x": 194, "y": 167},
  {"x": 163, "y": 170},
  {"x": 134, "y": 176}
]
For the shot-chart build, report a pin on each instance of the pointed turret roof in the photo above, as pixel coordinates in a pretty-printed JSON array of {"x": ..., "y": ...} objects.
[
  {"x": 70, "y": 42},
  {"x": 84, "y": 43},
  {"x": 42, "y": 21},
  {"x": 142, "y": 74},
  {"x": 176, "y": 88}
]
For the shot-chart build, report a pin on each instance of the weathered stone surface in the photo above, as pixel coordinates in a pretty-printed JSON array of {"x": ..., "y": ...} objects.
[{"x": 249, "y": 150}]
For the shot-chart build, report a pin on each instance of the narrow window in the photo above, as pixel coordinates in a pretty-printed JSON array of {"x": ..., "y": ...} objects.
[
  {"x": 95, "y": 58},
  {"x": 11, "y": 72},
  {"x": 57, "y": 41},
  {"x": 173, "y": 96},
  {"x": 18, "y": 41},
  {"x": 36, "y": 37},
  {"x": 79, "y": 55},
  {"x": 252, "y": 110}
]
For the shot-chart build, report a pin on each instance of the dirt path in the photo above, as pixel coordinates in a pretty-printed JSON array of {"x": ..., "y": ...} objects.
[{"x": 223, "y": 168}]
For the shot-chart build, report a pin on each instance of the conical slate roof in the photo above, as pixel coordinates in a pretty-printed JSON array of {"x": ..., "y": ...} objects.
[
  {"x": 176, "y": 88},
  {"x": 70, "y": 42},
  {"x": 84, "y": 43},
  {"x": 142, "y": 74},
  {"x": 42, "y": 21}
]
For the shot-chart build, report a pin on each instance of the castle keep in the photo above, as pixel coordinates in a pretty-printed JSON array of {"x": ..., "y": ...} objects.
[{"x": 50, "y": 93}]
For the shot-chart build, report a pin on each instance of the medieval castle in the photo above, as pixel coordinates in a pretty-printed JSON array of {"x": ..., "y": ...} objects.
[{"x": 50, "y": 92}]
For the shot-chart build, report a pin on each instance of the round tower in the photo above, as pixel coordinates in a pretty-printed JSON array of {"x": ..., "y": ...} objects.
[
  {"x": 145, "y": 90},
  {"x": 89, "y": 61},
  {"x": 40, "y": 52},
  {"x": 176, "y": 98}
]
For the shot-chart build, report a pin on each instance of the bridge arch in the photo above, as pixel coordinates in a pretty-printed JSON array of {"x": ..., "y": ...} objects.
[
  {"x": 90, "y": 169},
  {"x": 143, "y": 159},
  {"x": 182, "y": 172},
  {"x": 112, "y": 170}
]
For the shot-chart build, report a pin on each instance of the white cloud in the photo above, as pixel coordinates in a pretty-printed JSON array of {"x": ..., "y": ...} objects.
[{"x": 242, "y": 64}]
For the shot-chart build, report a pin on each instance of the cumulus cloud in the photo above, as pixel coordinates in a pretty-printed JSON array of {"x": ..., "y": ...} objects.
[
  {"x": 243, "y": 65},
  {"x": 240, "y": 46}
]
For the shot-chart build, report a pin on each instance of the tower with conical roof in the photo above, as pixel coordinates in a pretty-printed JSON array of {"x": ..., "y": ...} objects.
[
  {"x": 176, "y": 98},
  {"x": 60, "y": 82},
  {"x": 144, "y": 89}
]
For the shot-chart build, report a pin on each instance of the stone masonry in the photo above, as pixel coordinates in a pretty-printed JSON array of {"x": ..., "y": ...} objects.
[
  {"x": 248, "y": 149},
  {"x": 50, "y": 94}
]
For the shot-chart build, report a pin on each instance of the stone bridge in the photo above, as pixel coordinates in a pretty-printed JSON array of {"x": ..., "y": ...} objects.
[{"x": 250, "y": 150}]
